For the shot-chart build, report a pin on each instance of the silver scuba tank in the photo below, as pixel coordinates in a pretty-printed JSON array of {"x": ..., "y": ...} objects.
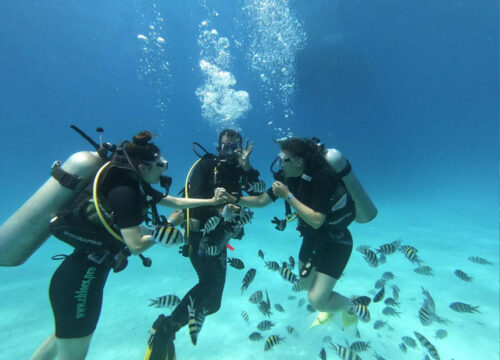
[
  {"x": 365, "y": 209},
  {"x": 28, "y": 228}
]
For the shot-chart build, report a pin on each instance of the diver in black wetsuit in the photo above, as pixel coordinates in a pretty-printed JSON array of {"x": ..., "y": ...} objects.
[
  {"x": 126, "y": 199},
  {"x": 208, "y": 230},
  {"x": 325, "y": 209}
]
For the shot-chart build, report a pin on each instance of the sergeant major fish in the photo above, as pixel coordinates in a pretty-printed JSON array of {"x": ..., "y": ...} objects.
[
  {"x": 165, "y": 301},
  {"x": 247, "y": 280}
]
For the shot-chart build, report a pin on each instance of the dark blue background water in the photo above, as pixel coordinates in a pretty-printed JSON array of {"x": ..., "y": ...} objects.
[{"x": 407, "y": 90}]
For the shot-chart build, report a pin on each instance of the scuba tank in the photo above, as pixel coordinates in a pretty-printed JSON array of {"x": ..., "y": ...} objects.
[
  {"x": 365, "y": 209},
  {"x": 28, "y": 228}
]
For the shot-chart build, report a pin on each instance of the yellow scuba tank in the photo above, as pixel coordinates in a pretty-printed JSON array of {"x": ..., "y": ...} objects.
[
  {"x": 365, "y": 209},
  {"x": 28, "y": 228}
]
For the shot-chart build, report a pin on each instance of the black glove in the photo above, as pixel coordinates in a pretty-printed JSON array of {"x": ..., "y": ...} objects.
[{"x": 280, "y": 224}]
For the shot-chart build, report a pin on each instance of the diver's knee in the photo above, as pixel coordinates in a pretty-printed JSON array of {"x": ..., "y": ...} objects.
[{"x": 317, "y": 301}]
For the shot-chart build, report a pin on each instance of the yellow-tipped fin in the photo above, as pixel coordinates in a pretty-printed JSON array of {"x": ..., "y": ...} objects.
[{"x": 321, "y": 319}]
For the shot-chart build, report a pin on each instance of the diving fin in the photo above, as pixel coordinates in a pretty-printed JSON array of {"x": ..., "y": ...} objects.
[
  {"x": 349, "y": 319},
  {"x": 161, "y": 340},
  {"x": 321, "y": 319}
]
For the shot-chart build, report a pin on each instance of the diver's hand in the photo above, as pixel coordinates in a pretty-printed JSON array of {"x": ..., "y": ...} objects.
[
  {"x": 243, "y": 155},
  {"x": 279, "y": 224},
  {"x": 280, "y": 189},
  {"x": 221, "y": 196}
]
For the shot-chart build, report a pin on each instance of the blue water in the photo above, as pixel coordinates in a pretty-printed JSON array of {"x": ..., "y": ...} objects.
[{"x": 408, "y": 91}]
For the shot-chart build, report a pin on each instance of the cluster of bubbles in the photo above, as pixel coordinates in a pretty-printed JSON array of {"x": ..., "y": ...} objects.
[
  {"x": 275, "y": 36},
  {"x": 153, "y": 66},
  {"x": 222, "y": 106}
]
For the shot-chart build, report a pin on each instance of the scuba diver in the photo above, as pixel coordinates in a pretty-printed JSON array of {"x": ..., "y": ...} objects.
[
  {"x": 103, "y": 226},
  {"x": 208, "y": 231},
  {"x": 325, "y": 208}
]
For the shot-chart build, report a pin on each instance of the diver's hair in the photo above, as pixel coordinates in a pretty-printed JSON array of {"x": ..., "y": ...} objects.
[
  {"x": 308, "y": 149},
  {"x": 230, "y": 133},
  {"x": 141, "y": 149}
]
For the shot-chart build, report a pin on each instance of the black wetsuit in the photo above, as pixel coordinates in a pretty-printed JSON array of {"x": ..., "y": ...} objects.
[
  {"x": 211, "y": 270},
  {"x": 76, "y": 287},
  {"x": 329, "y": 247}
]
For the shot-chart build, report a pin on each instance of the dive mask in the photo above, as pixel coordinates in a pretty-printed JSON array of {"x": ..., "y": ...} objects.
[
  {"x": 228, "y": 148},
  {"x": 160, "y": 162}
]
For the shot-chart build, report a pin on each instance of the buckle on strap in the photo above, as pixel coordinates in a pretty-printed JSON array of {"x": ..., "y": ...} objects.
[{"x": 72, "y": 182}]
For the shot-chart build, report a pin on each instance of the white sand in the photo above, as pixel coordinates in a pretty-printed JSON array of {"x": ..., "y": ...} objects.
[{"x": 444, "y": 238}]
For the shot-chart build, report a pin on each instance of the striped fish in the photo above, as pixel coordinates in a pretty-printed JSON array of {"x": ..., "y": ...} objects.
[
  {"x": 288, "y": 275},
  {"x": 378, "y": 357},
  {"x": 344, "y": 353},
  {"x": 359, "y": 346},
  {"x": 379, "y": 284},
  {"x": 396, "y": 244},
  {"x": 165, "y": 301},
  {"x": 192, "y": 322},
  {"x": 425, "y": 316},
  {"x": 297, "y": 287},
  {"x": 364, "y": 300},
  {"x": 255, "y": 336},
  {"x": 403, "y": 348},
  {"x": 440, "y": 334},
  {"x": 395, "y": 292},
  {"x": 245, "y": 217},
  {"x": 411, "y": 254},
  {"x": 479, "y": 260},
  {"x": 265, "y": 325},
  {"x": 379, "y": 324},
  {"x": 387, "y": 249},
  {"x": 279, "y": 308},
  {"x": 301, "y": 302},
  {"x": 272, "y": 265},
  {"x": 210, "y": 224},
  {"x": 362, "y": 249},
  {"x": 390, "y": 311},
  {"x": 388, "y": 276},
  {"x": 291, "y": 260},
  {"x": 380, "y": 295},
  {"x": 403, "y": 248},
  {"x": 310, "y": 308},
  {"x": 272, "y": 341},
  {"x": 261, "y": 254},
  {"x": 463, "y": 276},
  {"x": 427, "y": 345},
  {"x": 464, "y": 308},
  {"x": 290, "y": 329},
  {"x": 424, "y": 270},
  {"x": 244, "y": 315},
  {"x": 371, "y": 258},
  {"x": 391, "y": 302},
  {"x": 236, "y": 263},
  {"x": 362, "y": 312},
  {"x": 212, "y": 250},
  {"x": 382, "y": 259},
  {"x": 429, "y": 301},
  {"x": 247, "y": 280},
  {"x": 173, "y": 236},
  {"x": 256, "y": 297},
  {"x": 265, "y": 308},
  {"x": 409, "y": 341},
  {"x": 322, "y": 354},
  {"x": 292, "y": 297}
]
